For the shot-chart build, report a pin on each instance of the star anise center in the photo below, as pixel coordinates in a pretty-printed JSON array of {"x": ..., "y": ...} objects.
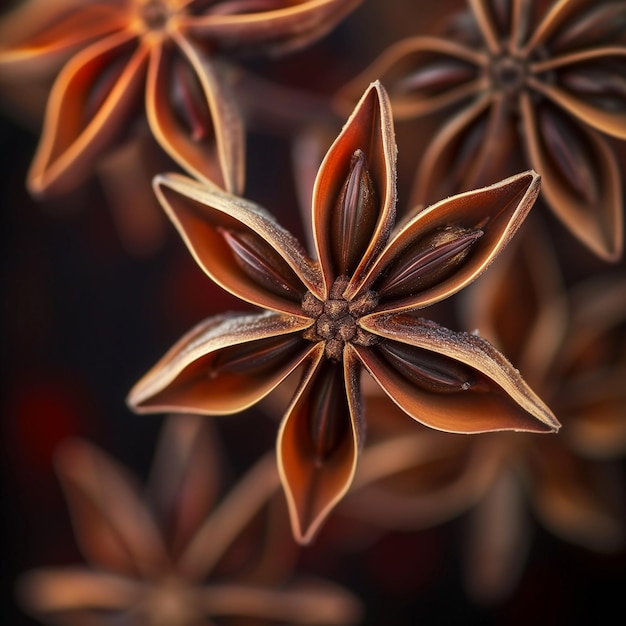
[
  {"x": 508, "y": 74},
  {"x": 155, "y": 14},
  {"x": 337, "y": 319}
]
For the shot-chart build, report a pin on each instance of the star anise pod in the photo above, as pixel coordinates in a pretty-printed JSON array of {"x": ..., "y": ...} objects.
[
  {"x": 172, "y": 50},
  {"x": 570, "y": 344},
  {"x": 178, "y": 554},
  {"x": 541, "y": 80},
  {"x": 355, "y": 308}
]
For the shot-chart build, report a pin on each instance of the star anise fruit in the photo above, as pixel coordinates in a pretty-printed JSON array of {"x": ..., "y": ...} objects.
[
  {"x": 570, "y": 344},
  {"x": 174, "y": 53},
  {"x": 521, "y": 81},
  {"x": 176, "y": 554},
  {"x": 353, "y": 307}
]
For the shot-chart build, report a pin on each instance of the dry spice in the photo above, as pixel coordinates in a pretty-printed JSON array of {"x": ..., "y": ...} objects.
[{"x": 356, "y": 307}]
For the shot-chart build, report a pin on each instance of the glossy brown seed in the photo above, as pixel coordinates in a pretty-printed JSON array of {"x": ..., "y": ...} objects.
[
  {"x": 102, "y": 87},
  {"x": 428, "y": 370},
  {"x": 603, "y": 86},
  {"x": 570, "y": 154},
  {"x": 501, "y": 13},
  {"x": 235, "y": 7},
  {"x": 441, "y": 252},
  {"x": 189, "y": 103},
  {"x": 433, "y": 78},
  {"x": 256, "y": 357},
  {"x": 354, "y": 218},
  {"x": 263, "y": 264},
  {"x": 465, "y": 153},
  {"x": 329, "y": 414},
  {"x": 599, "y": 23}
]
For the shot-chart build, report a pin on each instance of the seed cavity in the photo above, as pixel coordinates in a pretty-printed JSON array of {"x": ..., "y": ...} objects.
[
  {"x": 428, "y": 370},
  {"x": 234, "y": 7},
  {"x": 263, "y": 264},
  {"x": 354, "y": 216},
  {"x": 103, "y": 85},
  {"x": 432, "y": 259},
  {"x": 256, "y": 357},
  {"x": 434, "y": 78},
  {"x": 189, "y": 103},
  {"x": 601, "y": 22},
  {"x": 570, "y": 154},
  {"x": 603, "y": 86},
  {"x": 329, "y": 414}
]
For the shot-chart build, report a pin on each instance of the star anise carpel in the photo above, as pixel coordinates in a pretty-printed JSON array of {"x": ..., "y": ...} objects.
[
  {"x": 176, "y": 53},
  {"x": 538, "y": 80},
  {"x": 354, "y": 305}
]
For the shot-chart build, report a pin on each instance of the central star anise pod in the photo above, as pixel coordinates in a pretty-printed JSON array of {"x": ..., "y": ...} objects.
[
  {"x": 538, "y": 79},
  {"x": 354, "y": 308},
  {"x": 173, "y": 50}
]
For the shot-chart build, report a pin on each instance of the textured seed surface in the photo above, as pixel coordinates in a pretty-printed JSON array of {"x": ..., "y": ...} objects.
[
  {"x": 263, "y": 264},
  {"x": 428, "y": 262},
  {"x": 428, "y": 370},
  {"x": 256, "y": 357},
  {"x": 190, "y": 104},
  {"x": 354, "y": 217},
  {"x": 434, "y": 78},
  {"x": 329, "y": 414},
  {"x": 570, "y": 154}
]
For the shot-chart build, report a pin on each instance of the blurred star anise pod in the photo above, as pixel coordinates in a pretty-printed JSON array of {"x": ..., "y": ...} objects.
[
  {"x": 542, "y": 80},
  {"x": 168, "y": 557},
  {"x": 570, "y": 344},
  {"x": 171, "y": 50},
  {"x": 354, "y": 308}
]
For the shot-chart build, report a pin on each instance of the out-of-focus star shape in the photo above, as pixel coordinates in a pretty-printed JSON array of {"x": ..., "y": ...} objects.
[
  {"x": 571, "y": 345},
  {"x": 174, "y": 52},
  {"x": 170, "y": 558},
  {"x": 521, "y": 83}
]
